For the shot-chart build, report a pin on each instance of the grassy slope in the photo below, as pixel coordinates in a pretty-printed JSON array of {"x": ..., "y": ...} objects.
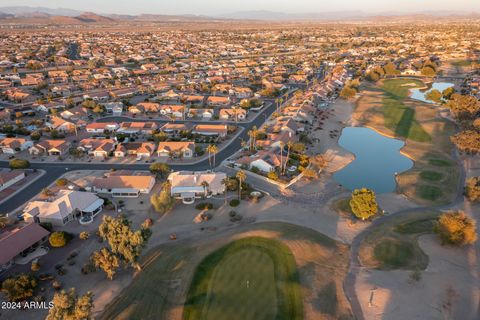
[
  {"x": 399, "y": 117},
  {"x": 388, "y": 109},
  {"x": 394, "y": 245},
  {"x": 218, "y": 289},
  {"x": 160, "y": 289}
]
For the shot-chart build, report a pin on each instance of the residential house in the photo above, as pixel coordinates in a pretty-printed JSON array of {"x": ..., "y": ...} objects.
[
  {"x": 139, "y": 149},
  {"x": 218, "y": 101},
  {"x": 102, "y": 127},
  {"x": 219, "y": 130},
  {"x": 124, "y": 184},
  {"x": 173, "y": 129},
  {"x": 237, "y": 114},
  {"x": 137, "y": 127},
  {"x": 99, "y": 148},
  {"x": 176, "y": 149},
  {"x": 264, "y": 160},
  {"x": 66, "y": 206},
  {"x": 14, "y": 145},
  {"x": 188, "y": 186},
  {"x": 61, "y": 125},
  {"x": 50, "y": 147},
  {"x": 20, "y": 241}
]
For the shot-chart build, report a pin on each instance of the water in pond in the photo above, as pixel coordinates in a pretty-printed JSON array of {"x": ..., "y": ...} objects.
[
  {"x": 377, "y": 159},
  {"x": 420, "y": 94}
]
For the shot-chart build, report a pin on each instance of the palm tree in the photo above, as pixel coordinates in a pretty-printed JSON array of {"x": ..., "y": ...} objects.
[
  {"x": 205, "y": 185},
  {"x": 282, "y": 145},
  {"x": 212, "y": 150},
  {"x": 224, "y": 182},
  {"x": 241, "y": 176},
  {"x": 289, "y": 146}
]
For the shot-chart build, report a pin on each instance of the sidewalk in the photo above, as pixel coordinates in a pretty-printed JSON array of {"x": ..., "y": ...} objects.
[{"x": 19, "y": 186}]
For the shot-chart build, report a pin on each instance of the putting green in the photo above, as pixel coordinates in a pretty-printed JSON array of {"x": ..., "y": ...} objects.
[{"x": 251, "y": 278}]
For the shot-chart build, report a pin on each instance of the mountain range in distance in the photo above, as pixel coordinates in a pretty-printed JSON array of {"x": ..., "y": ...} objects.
[{"x": 25, "y": 14}]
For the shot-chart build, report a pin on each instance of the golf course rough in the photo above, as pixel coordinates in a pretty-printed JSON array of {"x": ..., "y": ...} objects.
[{"x": 252, "y": 278}]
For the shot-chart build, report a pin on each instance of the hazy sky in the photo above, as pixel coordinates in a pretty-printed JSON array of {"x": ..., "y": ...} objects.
[{"x": 227, "y": 6}]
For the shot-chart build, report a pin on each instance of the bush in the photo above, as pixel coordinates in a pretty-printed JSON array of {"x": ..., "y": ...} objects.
[
  {"x": 19, "y": 164},
  {"x": 147, "y": 223},
  {"x": 88, "y": 267},
  {"x": 204, "y": 206},
  {"x": 272, "y": 175},
  {"x": 472, "y": 189},
  {"x": 58, "y": 239},
  {"x": 234, "y": 203},
  {"x": 35, "y": 266},
  {"x": 62, "y": 182},
  {"x": 84, "y": 235},
  {"x": 456, "y": 228}
]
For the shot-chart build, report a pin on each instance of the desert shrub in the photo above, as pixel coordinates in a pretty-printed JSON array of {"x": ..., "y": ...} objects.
[
  {"x": 234, "y": 203},
  {"x": 58, "y": 239},
  {"x": 454, "y": 227},
  {"x": 84, "y": 235},
  {"x": 204, "y": 206}
]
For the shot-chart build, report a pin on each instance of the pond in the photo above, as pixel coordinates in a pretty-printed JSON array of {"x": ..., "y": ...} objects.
[
  {"x": 420, "y": 94},
  {"x": 377, "y": 160}
]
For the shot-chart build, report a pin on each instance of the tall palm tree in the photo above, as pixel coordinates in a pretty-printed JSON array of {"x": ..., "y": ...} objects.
[
  {"x": 289, "y": 146},
  {"x": 212, "y": 150},
  {"x": 282, "y": 145},
  {"x": 241, "y": 176},
  {"x": 224, "y": 182},
  {"x": 205, "y": 185}
]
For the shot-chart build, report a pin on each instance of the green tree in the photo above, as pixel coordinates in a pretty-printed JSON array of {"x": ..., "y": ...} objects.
[
  {"x": 107, "y": 261},
  {"x": 122, "y": 239},
  {"x": 212, "y": 151},
  {"x": 163, "y": 202},
  {"x": 447, "y": 93},
  {"x": 434, "y": 95},
  {"x": 35, "y": 135},
  {"x": 19, "y": 164},
  {"x": 363, "y": 203},
  {"x": 159, "y": 168},
  {"x": 68, "y": 306},
  {"x": 19, "y": 288},
  {"x": 241, "y": 176},
  {"x": 456, "y": 228},
  {"x": 348, "y": 92}
]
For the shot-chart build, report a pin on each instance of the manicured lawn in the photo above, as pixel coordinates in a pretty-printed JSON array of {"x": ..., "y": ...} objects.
[
  {"x": 399, "y": 117},
  {"x": 171, "y": 276},
  {"x": 431, "y": 175},
  {"x": 394, "y": 244},
  {"x": 251, "y": 278},
  {"x": 428, "y": 192},
  {"x": 393, "y": 254},
  {"x": 439, "y": 163},
  {"x": 417, "y": 226}
]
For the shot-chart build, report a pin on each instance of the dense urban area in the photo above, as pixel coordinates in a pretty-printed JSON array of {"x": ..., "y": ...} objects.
[{"x": 210, "y": 170}]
